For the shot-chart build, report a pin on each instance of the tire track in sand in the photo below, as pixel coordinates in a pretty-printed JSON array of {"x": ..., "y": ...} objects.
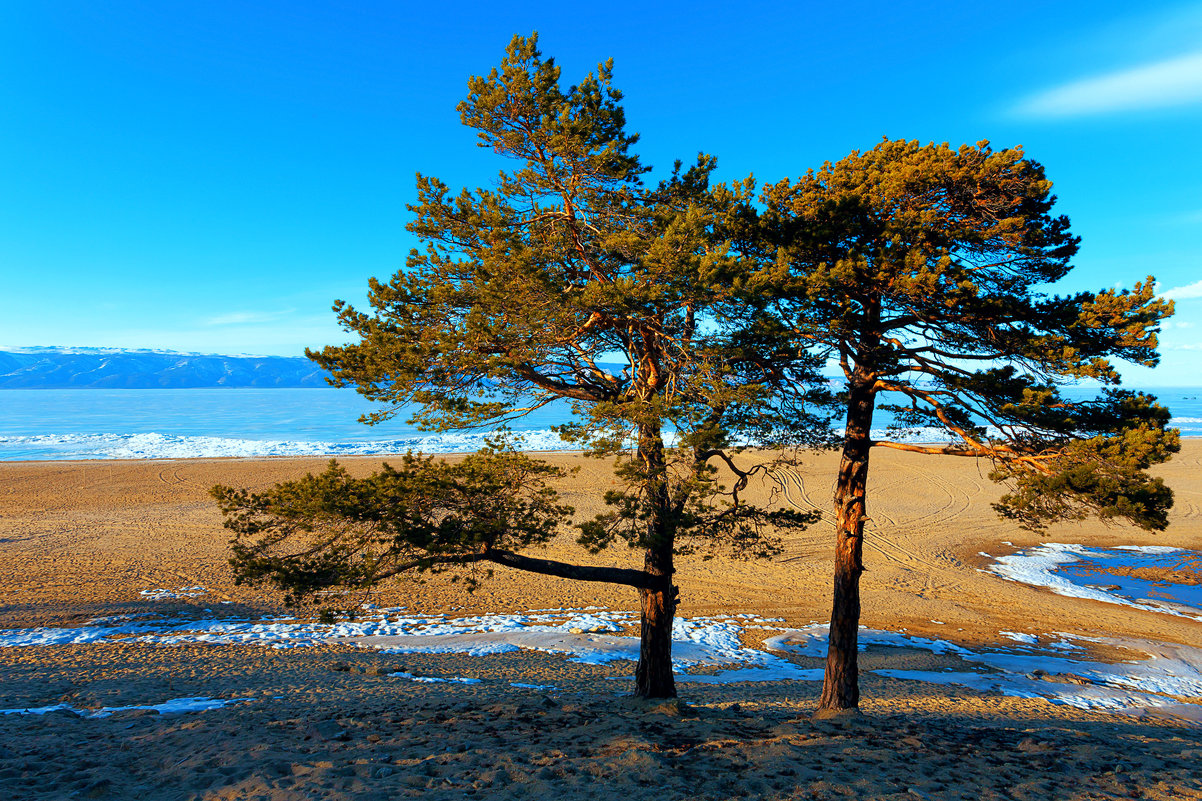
[
  {"x": 903, "y": 540},
  {"x": 175, "y": 477},
  {"x": 895, "y": 535},
  {"x": 815, "y": 540}
]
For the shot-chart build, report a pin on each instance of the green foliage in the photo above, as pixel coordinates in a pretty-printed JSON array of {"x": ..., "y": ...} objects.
[
  {"x": 1099, "y": 471},
  {"x": 568, "y": 280},
  {"x": 565, "y": 280},
  {"x": 333, "y": 530}
]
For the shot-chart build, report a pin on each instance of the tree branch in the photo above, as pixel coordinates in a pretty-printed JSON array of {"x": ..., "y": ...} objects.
[{"x": 546, "y": 567}]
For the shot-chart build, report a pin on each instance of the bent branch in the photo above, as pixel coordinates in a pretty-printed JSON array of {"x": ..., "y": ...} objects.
[{"x": 547, "y": 567}]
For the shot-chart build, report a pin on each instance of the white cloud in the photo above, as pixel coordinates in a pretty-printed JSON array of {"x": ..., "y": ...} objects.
[
  {"x": 289, "y": 339},
  {"x": 247, "y": 318},
  {"x": 1187, "y": 292},
  {"x": 1174, "y": 82}
]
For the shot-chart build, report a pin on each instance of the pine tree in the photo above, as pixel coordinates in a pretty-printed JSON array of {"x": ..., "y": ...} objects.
[
  {"x": 920, "y": 271},
  {"x": 568, "y": 280}
]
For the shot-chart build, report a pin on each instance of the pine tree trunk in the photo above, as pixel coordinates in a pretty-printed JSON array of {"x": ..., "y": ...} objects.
[
  {"x": 841, "y": 686},
  {"x": 653, "y": 675}
]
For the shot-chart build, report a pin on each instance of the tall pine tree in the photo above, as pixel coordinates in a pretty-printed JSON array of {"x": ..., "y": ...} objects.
[
  {"x": 567, "y": 280},
  {"x": 920, "y": 272}
]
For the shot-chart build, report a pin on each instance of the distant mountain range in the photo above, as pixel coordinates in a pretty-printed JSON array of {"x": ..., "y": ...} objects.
[
  {"x": 50, "y": 367},
  {"x": 113, "y": 368}
]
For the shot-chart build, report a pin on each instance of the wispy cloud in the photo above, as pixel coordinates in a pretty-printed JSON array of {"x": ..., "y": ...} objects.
[
  {"x": 247, "y": 318},
  {"x": 1187, "y": 292},
  {"x": 1188, "y": 217},
  {"x": 1162, "y": 84},
  {"x": 284, "y": 339}
]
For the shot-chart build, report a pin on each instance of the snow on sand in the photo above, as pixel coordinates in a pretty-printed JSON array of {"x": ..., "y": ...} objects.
[{"x": 706, "y": 650}]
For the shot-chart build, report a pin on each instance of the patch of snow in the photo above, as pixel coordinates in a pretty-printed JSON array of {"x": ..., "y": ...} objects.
[
  {"x": 550, "y": 687},
  {"x": 780, "y": 670},
  {"x": 433, "y": 680},
  {"x": 1028, "y": 639},
  {"x": 811, "y": 641},
  {"x": 1064, "y": 644},
  {"x": 1159, "y": 670},
  {"x": 705, "y": 650},
  {"x": 160, "y": 594},
  {"x": 1092, "y": 697},
  {"x": 981, "y": 682},
  {"x": 169, "y": 707}
]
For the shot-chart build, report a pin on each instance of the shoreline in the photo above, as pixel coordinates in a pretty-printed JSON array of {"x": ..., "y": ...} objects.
[{"x": 381, "y": 455}]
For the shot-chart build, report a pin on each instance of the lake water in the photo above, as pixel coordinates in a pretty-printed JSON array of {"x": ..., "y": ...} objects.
[
  {"x": 182, "y": 423},
  {"x": 1152, "y": 577}
]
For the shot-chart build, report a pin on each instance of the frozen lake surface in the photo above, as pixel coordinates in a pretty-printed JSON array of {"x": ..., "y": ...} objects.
[
  {"x": 1151, "y": 577},
  {"x": 41, "y": 424}
]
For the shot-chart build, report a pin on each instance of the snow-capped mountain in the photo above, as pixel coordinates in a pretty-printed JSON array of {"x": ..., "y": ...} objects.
[{"x": 114, "y": 368}]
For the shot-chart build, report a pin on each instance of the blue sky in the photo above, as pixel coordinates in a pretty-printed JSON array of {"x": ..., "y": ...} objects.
[{"x": 210, "y": 176}]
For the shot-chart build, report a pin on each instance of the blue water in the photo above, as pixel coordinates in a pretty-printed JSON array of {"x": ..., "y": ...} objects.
[
  {"x": 1097, "y": 565},
  {"x": 181, "y": 423}
]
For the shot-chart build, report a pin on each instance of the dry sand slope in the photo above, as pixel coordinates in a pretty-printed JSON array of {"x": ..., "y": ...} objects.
[{"x": 83, "y": 540}]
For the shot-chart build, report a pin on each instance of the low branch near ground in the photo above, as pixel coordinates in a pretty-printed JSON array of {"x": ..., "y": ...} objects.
[
  {"x": 549, "y": 567},
  {"x": 546, "y": 567},
  {"x": 333, "y": 530}
]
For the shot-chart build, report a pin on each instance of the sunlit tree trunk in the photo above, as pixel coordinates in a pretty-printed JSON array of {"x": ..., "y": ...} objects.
[{"x": 840, "y": 688}]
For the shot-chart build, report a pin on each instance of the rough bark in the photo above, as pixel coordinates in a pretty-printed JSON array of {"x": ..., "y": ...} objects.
[
  {"x": 840, "y": 688},
  {"x": 653, "y": 674}
]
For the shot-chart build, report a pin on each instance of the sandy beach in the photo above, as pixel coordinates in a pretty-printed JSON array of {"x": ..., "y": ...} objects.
[{"x": 86, "y": 540}]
